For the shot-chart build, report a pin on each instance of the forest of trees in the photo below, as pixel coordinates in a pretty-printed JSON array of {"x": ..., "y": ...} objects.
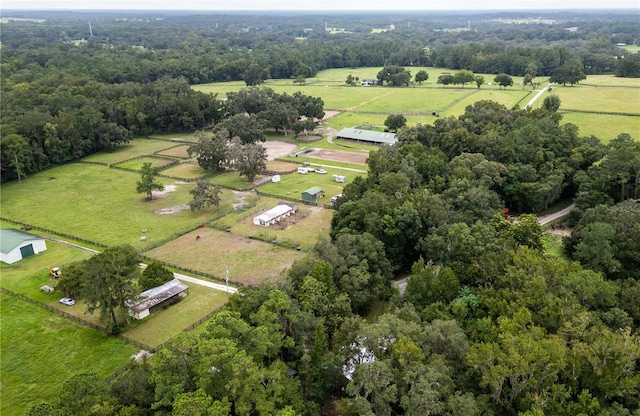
[
  {"x": 67, "y": 94},
  {"x": 487, "y": 325}
]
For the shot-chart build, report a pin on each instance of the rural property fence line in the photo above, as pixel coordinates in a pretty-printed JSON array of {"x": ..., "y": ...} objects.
[
  {"x": 143, "y": 346},
  {"x": 288, "y": 198},
  {"x": 75, "y": 318},
  {"x": 27, "y": 227}
]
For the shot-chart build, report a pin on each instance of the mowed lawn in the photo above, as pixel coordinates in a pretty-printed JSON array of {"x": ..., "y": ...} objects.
[
  {"x": 604, "y": 126},
  {"x": 248, "y": 261},
  {"x": 40, "y": 350},
  {"x": 101, "y": 204},
  {"x": 136, "y": 147}
]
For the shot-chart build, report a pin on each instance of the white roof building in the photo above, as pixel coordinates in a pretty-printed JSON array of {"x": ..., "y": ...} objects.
[
  {"x": 16, "y": 245},
  {"x": 275, "y": 214}
]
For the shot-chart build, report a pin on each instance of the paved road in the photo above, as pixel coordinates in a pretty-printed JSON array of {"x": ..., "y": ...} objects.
[
  {"x": 533, "y": 100},
  {"x": 546, "y": 219}
]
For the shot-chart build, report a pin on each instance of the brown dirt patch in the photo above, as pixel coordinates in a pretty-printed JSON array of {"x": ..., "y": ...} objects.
[
  {"x": 281, "y": 167},
  {"x": 276, "y": 149},
  {"x": 336, "y": 156}
]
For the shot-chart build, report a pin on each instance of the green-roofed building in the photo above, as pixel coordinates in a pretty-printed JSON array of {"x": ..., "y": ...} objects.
[
  {"x": 312, "y": 194},
  {"x": 15, "y": 245},
  {"x": 367, "y": 136}
]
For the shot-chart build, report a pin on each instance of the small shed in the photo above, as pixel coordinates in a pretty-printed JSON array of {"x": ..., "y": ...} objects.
[
  {"x": 312, "y": 194},
  {"x": 275, "y": 214},
  {"x": 156, "y": 298},
  {"x": 16, "y": 245}
]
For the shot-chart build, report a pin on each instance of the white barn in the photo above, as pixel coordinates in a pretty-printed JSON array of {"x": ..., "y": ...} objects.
[
  {"x": 275, "y": 214},
  {"x": 155, "y": 298},
  {"x": 15, "y": 245}
]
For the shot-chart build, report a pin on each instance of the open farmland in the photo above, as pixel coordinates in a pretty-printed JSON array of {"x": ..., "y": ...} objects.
[
  {"x": 248, "y": 261},
  {"x": 40, "y": 350},
  {"x": 371, "y": 105},
  {"x": 100, "y": 204}
]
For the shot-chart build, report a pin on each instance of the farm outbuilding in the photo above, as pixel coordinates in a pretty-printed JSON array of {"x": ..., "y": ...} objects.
[
  {"x": 156, "y": 298},
  {"x": 312, "y": 194},
  {"x": 367, "y": 136},
  {"x": 16, "y": 245},
  {"x": 275, "y": 214}
]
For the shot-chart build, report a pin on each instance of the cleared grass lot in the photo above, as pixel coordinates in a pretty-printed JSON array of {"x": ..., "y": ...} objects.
[
  {"x": 185, "y": 171},
  {"x": 40, "y": 350},
  {"x": 100, "y": 204},
  {"x": 136, "y": 164},
  {"x": 604, "y": 126},
  {"x": 136, "y": 147},
  {"x": 248, "y": 261},
  {"x": 294, "y": 184},
  {"x": 179, "y": 151},
  {"x": 611, "y": 99}
]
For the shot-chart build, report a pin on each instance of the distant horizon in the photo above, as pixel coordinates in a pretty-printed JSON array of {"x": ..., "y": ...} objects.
[{"x": 324, "y": 6}]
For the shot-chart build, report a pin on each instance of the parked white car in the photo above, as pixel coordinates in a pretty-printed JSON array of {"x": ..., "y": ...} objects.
[
  {"x": 67, "y": 301},
  {"x": 321, "y": 171}
]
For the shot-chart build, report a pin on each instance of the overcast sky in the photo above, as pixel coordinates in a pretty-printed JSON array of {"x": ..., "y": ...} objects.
[{"x": 324, "y": 5}]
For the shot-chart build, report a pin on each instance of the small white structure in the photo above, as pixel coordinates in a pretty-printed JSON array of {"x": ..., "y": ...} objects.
[
  {"x": 303, "y": 171},
  {"x": 16, "y": 245},
  {"x": 155, "y": 298},
  {"x": 339, "y": 178},
  {"x": 334, "y": 199},
  {"x": 275, "y": 214},
  {"x": 275, "y": 178}
]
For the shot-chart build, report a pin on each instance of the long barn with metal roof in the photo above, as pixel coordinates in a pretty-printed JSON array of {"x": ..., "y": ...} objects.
[{"x": 367, "y": 136}]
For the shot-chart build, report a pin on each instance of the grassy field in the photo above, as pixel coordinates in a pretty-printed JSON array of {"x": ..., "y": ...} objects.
[
  {"x": 136, "y": 164},
  {"x": 294, "y": 184},
  {"x": 248, "y": 261},
  {"x": 371, "y": 105},
  {"x": 136, "y": 147},
  {"x": 185, "y": 171},
  {"x": 178, "y": 151},
  {"x": 101, "y": 204},
  {"x": 40, "y": 350}
]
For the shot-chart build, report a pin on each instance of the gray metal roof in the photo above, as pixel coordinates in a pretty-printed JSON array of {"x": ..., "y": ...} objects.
[
  {"x": 313, "y": 190},
  {"x": 156, "y": 295},
  {"x": 367, "y": 136},
  {"x": 11, "y": 238}
]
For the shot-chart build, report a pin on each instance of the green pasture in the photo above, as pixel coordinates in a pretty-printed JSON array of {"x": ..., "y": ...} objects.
[
  {"x": 185, "y": 171},
  {"x": 40, "y": 350},
  {"x": 101, "y": 204},
  {"x": 136, "y": 147},
  {"x": 371, "y": 105},
  {"x": 305, "y": 232},
  {"x": 136, "y": 164},
  {"x": 610, "y": 81},
  {"x": 585, "y": 98},
  {"x": 233, "y": 180},
  {"x": 604, "y": 126},
  {"x": 248, "y": 260},
  {"x": 293, "y": 184},
  {"x": 631, "y": 48},
  {"x": 179, "y": 151}
]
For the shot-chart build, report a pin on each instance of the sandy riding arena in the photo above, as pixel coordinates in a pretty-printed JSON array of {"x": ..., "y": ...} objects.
[{"x": 277, "y": 149}]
